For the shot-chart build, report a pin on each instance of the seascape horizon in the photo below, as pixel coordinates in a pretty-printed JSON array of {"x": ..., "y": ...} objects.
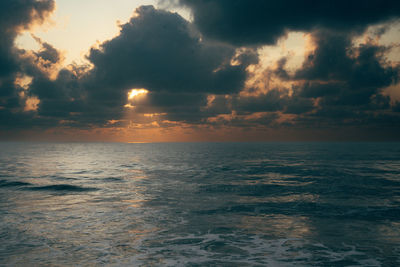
[{"x": 200, "y": 133}]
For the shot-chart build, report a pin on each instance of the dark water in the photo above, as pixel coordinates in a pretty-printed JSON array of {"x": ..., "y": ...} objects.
[{"x": 209, "y": 204}]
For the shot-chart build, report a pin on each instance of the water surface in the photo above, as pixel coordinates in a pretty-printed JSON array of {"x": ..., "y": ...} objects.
[{"x": 200, "y": 204}]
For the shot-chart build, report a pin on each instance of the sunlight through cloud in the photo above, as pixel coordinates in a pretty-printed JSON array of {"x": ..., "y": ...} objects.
[{"x": 136, "y": 92}]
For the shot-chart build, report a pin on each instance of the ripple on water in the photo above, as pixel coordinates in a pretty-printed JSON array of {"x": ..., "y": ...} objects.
[{"x": 61, "y": 187}]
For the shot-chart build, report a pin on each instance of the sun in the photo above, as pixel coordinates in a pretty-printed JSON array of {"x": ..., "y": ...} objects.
[{"x": 135, "y": 92}]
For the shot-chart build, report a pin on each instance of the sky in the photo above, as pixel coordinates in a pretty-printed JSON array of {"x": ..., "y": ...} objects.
[{"x": 199, "y": 70}]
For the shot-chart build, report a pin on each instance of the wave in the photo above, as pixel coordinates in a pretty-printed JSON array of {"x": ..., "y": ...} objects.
[
  {"x": 55, "y": 187},
  {"x": 62, "y": 187},
  {"x": 5, "y": 183}
]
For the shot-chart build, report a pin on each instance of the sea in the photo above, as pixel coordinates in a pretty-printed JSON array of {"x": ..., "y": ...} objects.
[{"x": 199, "y": 204}]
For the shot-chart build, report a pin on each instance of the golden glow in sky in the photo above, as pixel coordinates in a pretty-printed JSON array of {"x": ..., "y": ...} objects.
[
  {"x": 136, "y": 92},
  {"x": 78, "y": 25}
]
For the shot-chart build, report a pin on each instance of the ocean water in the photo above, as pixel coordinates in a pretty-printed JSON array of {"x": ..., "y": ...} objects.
[{"x": 200, "y": 204}]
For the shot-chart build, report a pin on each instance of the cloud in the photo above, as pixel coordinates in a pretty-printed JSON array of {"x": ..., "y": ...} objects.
[
  {"x": 345, "y": 81},
  {"x": 182, "y": 107},
  {"x": 343, "y": 74},
  {"x": 207, "y": 72},
  {"x": 157, "y": 50},
  {"x": 259, "y": 22},
  {"x": 15, "y": 16},
  {"x": 160, "y": 51},
  {"x": 273, "y": 100},
  {"x": 47, "y": 54},
  {"x": 340, "y": 84}
]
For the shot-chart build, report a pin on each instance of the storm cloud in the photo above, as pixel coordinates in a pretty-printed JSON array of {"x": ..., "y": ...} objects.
[{"x": 258, "y": 22}]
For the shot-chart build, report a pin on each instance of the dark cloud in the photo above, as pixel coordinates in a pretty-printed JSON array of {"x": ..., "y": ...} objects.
[
  {"x": 256, "y": 22},
  {"x": 298, "y": 105},
  {"x": 330, "y": 60},
  {"x": 346, "y": 81},
  {"x": 217, "y": 105},
  {"x": 345, "y": 75},
  {"x": 396, "y": 107},
  {"x": 335, "y": 59},
  {"x": 15, "y": 16},
  {"x": 314, "y": 89},
  {"x": 273, "y": 100},
  {"x": 247, "y": 56},
  {"x": 159, "y": 50},
  {"x": 162, "y": 52},
  {"x": 183, "y": 107},
  {"x": 338, "y": 84},
  {"x": 47, "y": 54},
  {"x": 280, "y": 70}
]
